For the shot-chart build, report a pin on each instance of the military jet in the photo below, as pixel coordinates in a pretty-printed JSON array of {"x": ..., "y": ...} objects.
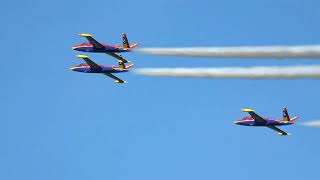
[
  {"x": 256, "y": 120},
  {"x": 97, "y": 47},
  {"x": 92, "y": 67}
]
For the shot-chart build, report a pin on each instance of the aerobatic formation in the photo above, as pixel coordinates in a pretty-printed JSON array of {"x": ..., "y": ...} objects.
[{"x": 95, "y": 47}]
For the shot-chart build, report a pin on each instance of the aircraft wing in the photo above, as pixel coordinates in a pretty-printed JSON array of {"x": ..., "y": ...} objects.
[
  {"x": 92, "y": 64},
  {"x": 117, "y": 56},
  {"x": 117, "y": 80},
  {"x": 94, "y": 42},
  {"x": 255, "y": 116},
  {"x": 280, "y": 132}
]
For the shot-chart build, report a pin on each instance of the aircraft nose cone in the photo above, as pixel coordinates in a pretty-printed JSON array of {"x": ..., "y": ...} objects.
[
  {"x": 235, "y": 122},
  {"x": 74, "y": 48},
  {"x": 72, "y": 68}
]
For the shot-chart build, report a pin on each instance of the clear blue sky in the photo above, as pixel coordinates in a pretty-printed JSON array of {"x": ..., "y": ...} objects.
[{"x": 59, "y": 124}]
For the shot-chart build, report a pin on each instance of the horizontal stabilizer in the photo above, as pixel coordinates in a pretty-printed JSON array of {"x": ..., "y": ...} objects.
[
  {"x": 85, "y": 35},
  {"x": 294, "y": 118},
  {"x": 247, "y": 110},
  {"x": 134, "y": 45}
]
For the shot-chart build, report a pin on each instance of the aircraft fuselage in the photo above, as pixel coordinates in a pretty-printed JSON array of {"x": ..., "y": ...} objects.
[
  {"x": 248, "y": 121},
  {"x": 106, "y": 49},
  {"x": 105, "y": 69}
]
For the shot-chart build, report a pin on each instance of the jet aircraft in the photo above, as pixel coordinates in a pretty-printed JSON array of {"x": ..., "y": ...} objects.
[
  {"x": 256, "y": 120},
  {"x": 97, "y": 47},
  {"x": 92, "y": 67}
]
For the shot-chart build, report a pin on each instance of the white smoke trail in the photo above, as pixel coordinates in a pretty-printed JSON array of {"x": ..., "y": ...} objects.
[
  {"x": 262, "y": 72},
  {"x": 304, "y": 51},
  {"x": 311, "y": 123}
]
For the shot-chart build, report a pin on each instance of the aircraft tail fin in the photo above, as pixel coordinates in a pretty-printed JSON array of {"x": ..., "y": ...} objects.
[
  {"x": 286, "y": 117},
  {"x": 121, "y": 62},
  {"x": 121, "y": 65},
  {"x": 125, "y": 41},
  {"x": 285, "y": 113}
]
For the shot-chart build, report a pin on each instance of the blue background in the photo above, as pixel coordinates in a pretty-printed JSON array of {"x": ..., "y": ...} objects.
[{"x": 59, "y": 124}]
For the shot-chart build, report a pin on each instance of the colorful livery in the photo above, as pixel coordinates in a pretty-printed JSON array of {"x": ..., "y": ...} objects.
[
  {"x": 96, "y": 47},
  {"x": 92, "y": 67},
  {"x": 256, "y": 120}
]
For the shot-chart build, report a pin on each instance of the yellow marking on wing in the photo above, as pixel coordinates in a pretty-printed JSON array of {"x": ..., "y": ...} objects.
[
  {"x": 119, "y": 82},
  {"x": 85, "y": 35},
  {"x": 82, "y": 56},
  {"x": 283, "y": 134},
  {"x": 247, "y": 110}
]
